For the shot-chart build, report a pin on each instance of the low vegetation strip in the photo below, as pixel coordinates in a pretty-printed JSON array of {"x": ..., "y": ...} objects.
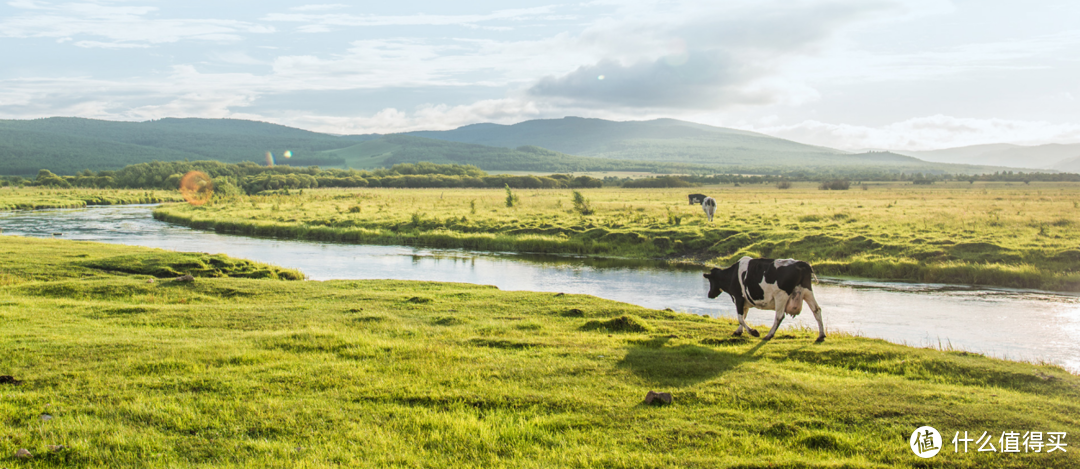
[
  {"x": 36, "y": 198},
  {"x": 996, "y": 234},
  {"x": 109, "y": 370}
]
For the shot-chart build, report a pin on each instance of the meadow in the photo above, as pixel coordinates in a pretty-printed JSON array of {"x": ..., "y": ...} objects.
[
  {"x": 234, "y": 371},
  {"x": 35, "y": 198},
  {"x": 987, "y": 233}
]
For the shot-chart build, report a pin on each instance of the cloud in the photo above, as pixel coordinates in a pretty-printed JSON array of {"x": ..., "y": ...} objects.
[
  {"x": 122, "y": 26},
  {"x": 702, "y": 57},
  {"x": 319, "y": 7},
  {"x": 344, "y": 19},
  {"x": 696, "y": 80},
  {"x": 427, "y": 117},
  {"x": 926, "y": 133}
]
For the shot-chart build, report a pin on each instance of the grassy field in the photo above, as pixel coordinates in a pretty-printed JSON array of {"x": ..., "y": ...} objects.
[
  {"x": 242, "y": 372},
  {"x": 31, "y": 198},
  {"x": 999, "y": 234}
]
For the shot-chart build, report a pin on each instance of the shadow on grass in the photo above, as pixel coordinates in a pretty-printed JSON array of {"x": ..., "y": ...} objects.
[{"x": 683, "y": 364}]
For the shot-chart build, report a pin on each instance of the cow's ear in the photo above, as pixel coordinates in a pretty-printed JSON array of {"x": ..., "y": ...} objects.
[{"x": 705, "y": 275}]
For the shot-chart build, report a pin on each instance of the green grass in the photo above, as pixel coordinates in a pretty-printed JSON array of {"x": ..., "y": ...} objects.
[
  {"x": 34, "y": 198},
  {"x": 236, "y": 372},
  {"x": 997, "y": 234}
]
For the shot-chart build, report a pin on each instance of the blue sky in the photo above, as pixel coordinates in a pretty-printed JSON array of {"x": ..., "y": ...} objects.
[{"x": 851, "y": 74}]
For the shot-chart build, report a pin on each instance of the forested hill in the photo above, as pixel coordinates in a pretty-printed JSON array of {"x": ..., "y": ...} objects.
[
  {"x": 67, "y": 144},
  {"x": 666, "y": 140},
  {"x": 395, "y": 149}
]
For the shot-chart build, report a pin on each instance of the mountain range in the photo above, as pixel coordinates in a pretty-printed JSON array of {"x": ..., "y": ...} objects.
[
  {"x": 1056, "y": 156},
  {"x": 66, "y": 145}
]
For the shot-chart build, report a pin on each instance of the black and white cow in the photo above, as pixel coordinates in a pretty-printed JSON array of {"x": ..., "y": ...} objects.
[
  {"x": 775, "y": 284},
  {"x": 696, "y": 198},
  {"x": 709, "y": 205}
]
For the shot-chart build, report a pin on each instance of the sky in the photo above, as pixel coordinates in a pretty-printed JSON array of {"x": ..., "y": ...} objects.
[{"x": 849, "y": 74}]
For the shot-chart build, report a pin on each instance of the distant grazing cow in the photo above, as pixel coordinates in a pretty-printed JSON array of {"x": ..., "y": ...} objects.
[
  {"x": 709, "y": 205},
  {"x": 696, "y": 198},
  {"x": 780, "y": 284}
]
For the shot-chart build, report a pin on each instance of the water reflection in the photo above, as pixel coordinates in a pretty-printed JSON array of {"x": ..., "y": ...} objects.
[{"x": 1007, "y": 323}]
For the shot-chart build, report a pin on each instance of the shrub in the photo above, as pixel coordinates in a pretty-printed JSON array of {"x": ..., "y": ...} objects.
[
  {"x": 581, "y": 204},
  {"x": 511, "y": 199},
  {"x": 835, "y": 185},
  {"x": 783, "y": 185}
]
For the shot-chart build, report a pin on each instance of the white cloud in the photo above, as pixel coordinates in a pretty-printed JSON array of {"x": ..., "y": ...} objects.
[
  {"x": 119, "y": 24},
  {"x": 926, "y": 133},
  {"x": 109, "y": 45},
  {"x": 429, "y": 117},
  {"x": 344, "y": 19},
  {"x": 319, "y": 7}
]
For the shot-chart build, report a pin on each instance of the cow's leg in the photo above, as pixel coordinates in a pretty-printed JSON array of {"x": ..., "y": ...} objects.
[
  {"x": 742, "y": 319},
  {"x": 781, "y": 307},
  {"x": 741, "y": 308},
  {"x": 808, "y": 297}
]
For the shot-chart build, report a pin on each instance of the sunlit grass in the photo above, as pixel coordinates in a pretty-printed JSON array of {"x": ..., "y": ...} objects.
[
  {"x": 31, "y": 198},
  {"x": 228, "y": 372},
  {"x": 1001, "y": 234}
]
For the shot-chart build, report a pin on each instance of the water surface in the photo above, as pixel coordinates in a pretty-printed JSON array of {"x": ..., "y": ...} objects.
[{"x": 1019, "y": 325}]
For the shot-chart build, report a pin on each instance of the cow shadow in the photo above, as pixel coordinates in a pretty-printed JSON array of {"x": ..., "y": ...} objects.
[{"x": 680, "y": 365}]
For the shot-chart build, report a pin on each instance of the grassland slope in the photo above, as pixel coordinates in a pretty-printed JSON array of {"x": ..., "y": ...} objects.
[{"x": 237, "y": 372}]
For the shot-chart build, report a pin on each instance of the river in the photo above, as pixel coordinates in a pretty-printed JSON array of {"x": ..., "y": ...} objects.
[{"x": 1014, "y": 324}]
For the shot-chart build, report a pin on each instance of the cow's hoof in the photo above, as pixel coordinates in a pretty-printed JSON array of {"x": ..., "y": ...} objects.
[
  {"x": 736, "y": 333},
  {"x": 768, "y": 337},
  {"x": 754, "y": 333},
  {"x": 820, "y": 339}
]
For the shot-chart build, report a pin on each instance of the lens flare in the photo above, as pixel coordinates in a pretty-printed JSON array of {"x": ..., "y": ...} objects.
[
  {"x": 269, "y": 159},
  {"x": 196, "y": 187},
  {"x": 287, "y": 154},
  {"x": 601, "y": 77}
]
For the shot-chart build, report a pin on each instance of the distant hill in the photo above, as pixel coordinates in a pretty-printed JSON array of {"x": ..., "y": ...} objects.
[
  {"x": 1047, "y": 156},
  {"x": 67, "y": 145},
  {"x": 389, "y": 150},
  {"x": 1071, "y": 165},
  {"x": 71, "y": 144},
  {"x": 661, "y": 140}
]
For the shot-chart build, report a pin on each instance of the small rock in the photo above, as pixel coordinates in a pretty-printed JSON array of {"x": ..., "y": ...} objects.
[
  {"x": 9, "y": 380},
  {"x": 23, "y": 454},
  {"x": 184, "y": 278},
  {"x": 560, "y": 294},
  {"x": 669, "y": 310},
  {"x": 149, "y": 280},
  {"x": 46, "y": 417},
  {"x": 55, "y": 448},
  {"x": 658, "y": 398}
]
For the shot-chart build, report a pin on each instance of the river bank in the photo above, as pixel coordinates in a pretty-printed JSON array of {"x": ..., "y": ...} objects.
[
  {"x": 39, "y": 198},
  {"x": 988, "y": 234},
  {"x": 384, "y": 373}
]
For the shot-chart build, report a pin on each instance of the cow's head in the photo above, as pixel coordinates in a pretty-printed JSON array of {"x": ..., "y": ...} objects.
[{"x": 715, "y": 282}]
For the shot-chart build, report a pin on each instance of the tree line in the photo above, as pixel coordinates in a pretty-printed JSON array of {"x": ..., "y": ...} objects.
[{"x": 251, "y": 178}]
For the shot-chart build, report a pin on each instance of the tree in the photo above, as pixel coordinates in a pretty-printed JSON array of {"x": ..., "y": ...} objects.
[{"x": 47, "y": 178}]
